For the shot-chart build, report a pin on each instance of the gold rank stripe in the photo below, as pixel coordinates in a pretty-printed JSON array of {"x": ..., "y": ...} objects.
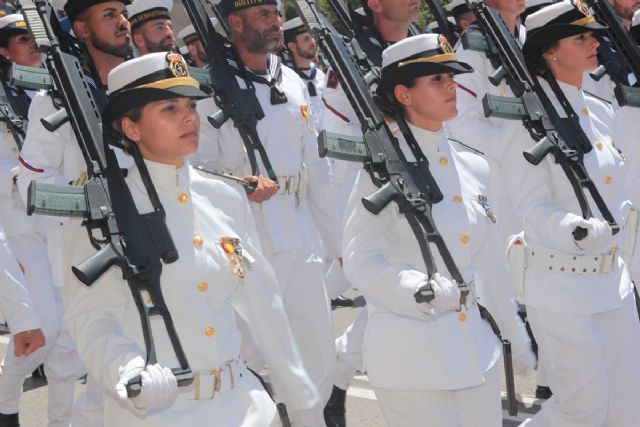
[
  {"x": 172, "y": 82},
  {"x": 435, "y": 58},
  {"x": 584, "y": 21}
]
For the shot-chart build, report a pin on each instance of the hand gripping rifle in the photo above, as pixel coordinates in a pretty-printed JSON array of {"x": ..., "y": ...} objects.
[
  {"x": 561, "y": 137},
  {"x": 134, "y": 242},
  {"x": 235, "y": 103},
  {"x": 625, "y": 51}
]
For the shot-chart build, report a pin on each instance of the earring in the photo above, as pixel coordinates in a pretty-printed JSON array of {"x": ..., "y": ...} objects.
[{"x": 555, "y": 59}]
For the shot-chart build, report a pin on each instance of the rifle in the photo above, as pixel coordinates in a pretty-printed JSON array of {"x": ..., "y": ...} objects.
[
  {"x": 409, "y": 184},
  {"x": 561, "y": 137},
  {"x": 625, "y": 49},
  {"x": 133, "y": 242},
  {"x": 14, "y": 121},
  {"x": 235, "y": 103}
]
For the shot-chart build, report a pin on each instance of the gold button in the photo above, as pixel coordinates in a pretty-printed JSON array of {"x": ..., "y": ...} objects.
[
  {"x": 209, "y": 331},
  {"x": 203, "y": 286},
  {"x": 585, "y": 112},
  {"x": 464, "y": 239},
  {"x": 608, "y": 180},
  {"x": 443, "y": 161},
  {"x": 182, "y": 198},
  {"x": 198, "y": 242},
  {"x": 599, "y": 145},
  {"x": 457, "y": 200}
]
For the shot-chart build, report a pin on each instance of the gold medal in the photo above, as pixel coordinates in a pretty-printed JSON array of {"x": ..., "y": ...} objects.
[{"x": 231, "y": 248}]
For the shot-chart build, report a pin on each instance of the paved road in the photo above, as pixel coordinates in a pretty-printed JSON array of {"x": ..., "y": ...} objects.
[{"x": 362, "y": 408}]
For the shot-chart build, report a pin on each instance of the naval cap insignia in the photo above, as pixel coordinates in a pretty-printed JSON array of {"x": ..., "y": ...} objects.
[
  {"x": 582, "y": 7},
  {"x": 177, "y": 65},
  {"x": 444, "y": 44}
]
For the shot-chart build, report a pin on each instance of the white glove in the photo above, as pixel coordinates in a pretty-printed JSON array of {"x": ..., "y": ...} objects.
[
  {"x": 598, "y": 235},
  {"x": 159, "y": 385},
  {"x": 446, "y": 296}
]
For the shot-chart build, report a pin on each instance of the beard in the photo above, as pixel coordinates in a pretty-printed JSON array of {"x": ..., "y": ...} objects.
[
  {"x": 164, "y": 45},
  {"x": 307, "y": 54},
  {"x": 258, "y": 42},
  {"x": 121, "y": 51}
]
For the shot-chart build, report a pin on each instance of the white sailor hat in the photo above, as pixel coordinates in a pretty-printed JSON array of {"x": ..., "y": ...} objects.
[
  {"x": 557, "y": 21},
  {"x": 456, "y": 7},
  {"x": 141, "y": 11},
  {"x": 11, "y": 25},
  {"x": 151, "y": 77},
  {"x": 188, "y": 34},
  {"x": 417, "y": 56},
  {"x": 434, "y": 27},
  {"x": 73, "y": 8},
  {"x": 292, "y": 28},
  {"x": 532, "y": 6}
]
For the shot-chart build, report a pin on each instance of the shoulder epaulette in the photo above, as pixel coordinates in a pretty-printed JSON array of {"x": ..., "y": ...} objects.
[
  {"x": 462, "y": 144},
  {"x": 599, "y": 98}
]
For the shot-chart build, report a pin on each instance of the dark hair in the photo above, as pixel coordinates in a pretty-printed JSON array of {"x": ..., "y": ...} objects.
[
  {"x": 536, "y": 60},
  {"x": 387, "y": 100},
  {"x": 134, "y": 114},
  {"x": 8, "y": 34}
]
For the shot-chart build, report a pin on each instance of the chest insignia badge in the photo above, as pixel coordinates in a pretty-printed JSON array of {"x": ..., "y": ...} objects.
[
  {"x": 484, "y": 202},
  {"x": 233, "y": 251}
]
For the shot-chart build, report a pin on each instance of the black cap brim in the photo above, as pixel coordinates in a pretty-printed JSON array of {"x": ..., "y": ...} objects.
[
  {"x": 409, "y": 72},
  {"x": 540, "y": 39},
  {"x": 121, "y": 102}
]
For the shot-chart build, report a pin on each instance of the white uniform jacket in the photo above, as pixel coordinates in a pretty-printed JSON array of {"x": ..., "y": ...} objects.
[
  {"x": 289, "y": 137},
  {"x": 16, "y": 307},
  {"x": 201, "y": 292},
  {"x": 471, "y": 122},
  {"x": 543, "y": 198},
  {"x": 404, "y": 348}
]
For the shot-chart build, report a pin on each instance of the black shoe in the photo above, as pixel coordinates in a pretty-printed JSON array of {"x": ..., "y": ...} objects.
[
  {"x": 9, "y": 420},
  {"x": 543, "y": 392},
  {"x": 39, "y": 372},
  {"x": 335, "y": 413},
  {"x": 341, "y": 302}
]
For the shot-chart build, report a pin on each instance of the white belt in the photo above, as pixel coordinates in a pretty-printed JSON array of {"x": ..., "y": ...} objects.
[
  {"x": 212, "y": 384},
  {"x": 288, "y": 184},
  {"x": 558, "y": 262}
]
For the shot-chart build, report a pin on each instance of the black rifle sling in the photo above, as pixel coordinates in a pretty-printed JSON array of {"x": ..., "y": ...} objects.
[{"x": 14, "y": 108}]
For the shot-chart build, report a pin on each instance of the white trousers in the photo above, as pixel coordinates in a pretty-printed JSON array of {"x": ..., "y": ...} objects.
[
  {"x": 300, "y": 278},
  {"x": 592, "y": 367},
  {"x": 61, "y": 362},
  {"x": 349, "y": 348},
  {"x": 478, "y": 406}
]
